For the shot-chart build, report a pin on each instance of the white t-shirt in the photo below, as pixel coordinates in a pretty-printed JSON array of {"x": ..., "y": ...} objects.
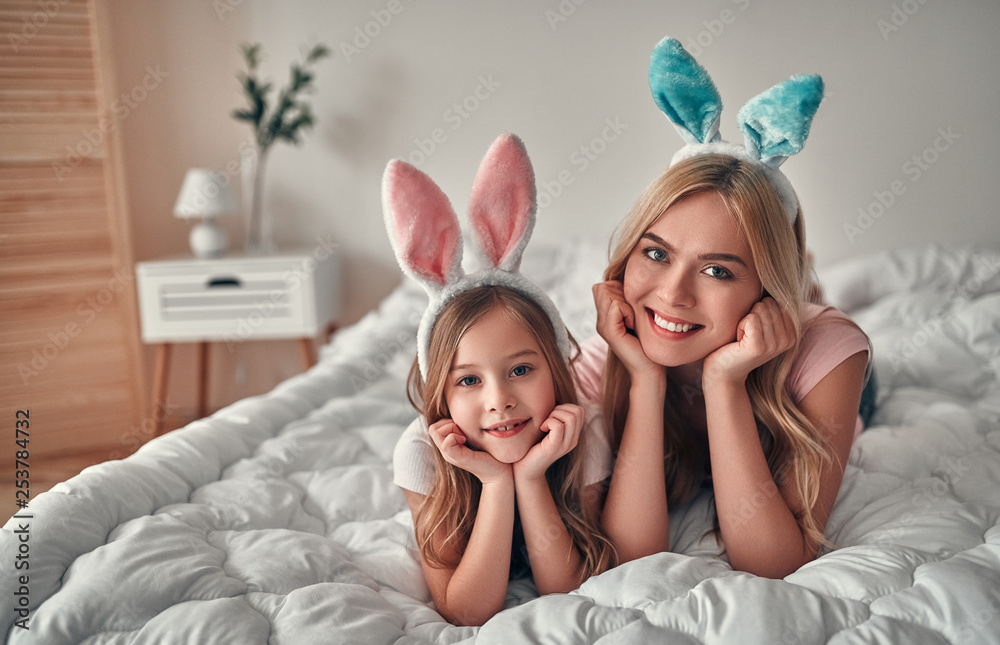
[{"x": 413, "y": 457}]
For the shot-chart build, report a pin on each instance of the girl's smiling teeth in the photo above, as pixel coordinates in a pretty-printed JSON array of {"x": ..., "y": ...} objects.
[
  {"x": 672, "y": 326},
  {"x": 507, "y": 428}
]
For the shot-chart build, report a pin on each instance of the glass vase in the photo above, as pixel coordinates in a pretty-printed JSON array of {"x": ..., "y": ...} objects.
[{"x": 258, "y": 240}]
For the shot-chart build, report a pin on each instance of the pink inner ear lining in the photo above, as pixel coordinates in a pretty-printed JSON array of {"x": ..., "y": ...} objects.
[
  {"x": 426, "y": 227},
  {"x": 497, "y": 227},
  {"x": 502, "y": 198}
]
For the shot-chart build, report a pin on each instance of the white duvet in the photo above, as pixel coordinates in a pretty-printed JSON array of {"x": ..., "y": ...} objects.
[{"x": 276, "y": 521}]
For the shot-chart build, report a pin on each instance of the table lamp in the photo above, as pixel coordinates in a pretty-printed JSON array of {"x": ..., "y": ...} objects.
[{"x": 207, "y": 195}]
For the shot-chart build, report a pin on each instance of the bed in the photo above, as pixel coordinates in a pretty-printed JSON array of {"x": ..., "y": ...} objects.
[{"x": 275, "y": 520}]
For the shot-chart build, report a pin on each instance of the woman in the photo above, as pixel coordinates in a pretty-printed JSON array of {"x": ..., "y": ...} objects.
[{"x": 720, "y": 370}]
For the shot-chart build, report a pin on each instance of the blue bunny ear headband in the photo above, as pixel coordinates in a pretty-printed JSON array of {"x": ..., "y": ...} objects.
[{"x": 775, "y": 123}]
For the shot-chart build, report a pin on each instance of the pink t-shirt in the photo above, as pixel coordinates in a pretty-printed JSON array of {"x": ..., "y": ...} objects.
[{"x": 825, "y": 345}]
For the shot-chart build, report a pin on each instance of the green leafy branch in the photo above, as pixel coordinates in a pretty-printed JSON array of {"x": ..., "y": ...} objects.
[{"x": 290, "y": 113}]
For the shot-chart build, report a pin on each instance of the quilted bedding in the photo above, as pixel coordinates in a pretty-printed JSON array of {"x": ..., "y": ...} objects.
[{"x": 276, "y": 520}]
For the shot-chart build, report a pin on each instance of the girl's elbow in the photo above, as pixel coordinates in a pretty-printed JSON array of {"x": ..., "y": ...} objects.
[
  {"x": 772, "y": 573},
  {"x": 468, "y": 621},
  {"x": 470, "y": 616},
  {"x": 464, "y": 618}
]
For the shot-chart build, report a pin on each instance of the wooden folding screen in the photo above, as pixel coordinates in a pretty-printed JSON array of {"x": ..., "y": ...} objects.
[{"x": 69, "y": 347}]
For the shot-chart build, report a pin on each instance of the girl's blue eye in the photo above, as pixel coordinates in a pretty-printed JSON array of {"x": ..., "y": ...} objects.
[
  {"x": 468, "y": 381},
  {"x": 719, "y": 273},
  {"x": 520, "y": 370},
  {"x": 655, "y": 254}
]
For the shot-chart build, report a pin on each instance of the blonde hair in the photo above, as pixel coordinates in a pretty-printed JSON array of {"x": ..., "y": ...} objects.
[
  {"x": 795, "y": 449},
  {"x": 452, "y": 503}
]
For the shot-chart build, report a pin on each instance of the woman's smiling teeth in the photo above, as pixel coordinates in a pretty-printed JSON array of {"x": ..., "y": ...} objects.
[{"x": 672, "y": 326}]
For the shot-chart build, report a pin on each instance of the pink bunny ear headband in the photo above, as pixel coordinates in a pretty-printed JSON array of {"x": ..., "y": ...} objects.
[
  {"x": 775, "y": 123},
  {"x": 427, "y": 239}
]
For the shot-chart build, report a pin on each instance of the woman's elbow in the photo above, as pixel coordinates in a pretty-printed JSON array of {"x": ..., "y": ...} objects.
[
  {"x": 773, "y": 568},
  {"x": 564, "y": 585},
  {"x": 629, "y": 546}
]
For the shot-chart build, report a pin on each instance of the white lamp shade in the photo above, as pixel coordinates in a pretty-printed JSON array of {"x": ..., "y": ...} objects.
[{"x": 205, "y": 194}]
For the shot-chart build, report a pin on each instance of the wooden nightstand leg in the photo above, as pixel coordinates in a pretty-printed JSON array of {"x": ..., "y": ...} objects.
[
  {"x": 306, "y": 348},
  {"x": 330, "y": 330},
  {"x": 202, "y": 371},
  {"x": 160, "y": 386}
]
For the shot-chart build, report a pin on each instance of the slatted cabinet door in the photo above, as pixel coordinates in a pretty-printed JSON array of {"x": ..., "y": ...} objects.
[{"x": 69, "y": 347}]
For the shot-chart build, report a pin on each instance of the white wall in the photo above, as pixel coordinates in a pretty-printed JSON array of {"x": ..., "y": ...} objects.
[{"x": 898, "y": 74}]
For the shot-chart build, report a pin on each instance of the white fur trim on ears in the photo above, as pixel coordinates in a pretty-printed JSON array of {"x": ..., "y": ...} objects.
[
  {"x": 489, "y": 277},
  {"x": 778, "y": 179}
]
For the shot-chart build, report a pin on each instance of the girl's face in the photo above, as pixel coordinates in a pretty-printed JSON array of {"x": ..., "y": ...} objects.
[
  {"x": 690, "y": 280},
  {"x": 500, "y": 390}
]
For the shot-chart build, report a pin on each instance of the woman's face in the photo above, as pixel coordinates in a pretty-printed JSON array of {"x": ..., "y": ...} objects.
[{"x": 690, "y": 280}]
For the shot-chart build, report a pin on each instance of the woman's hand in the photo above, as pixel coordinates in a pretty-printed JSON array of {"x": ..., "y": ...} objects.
[
  {"x": 616, "y": 325},
  {"x": 450, "y": 440},
  {"x": 562, "y": 430},
  {"x": 763, "y": 334}
]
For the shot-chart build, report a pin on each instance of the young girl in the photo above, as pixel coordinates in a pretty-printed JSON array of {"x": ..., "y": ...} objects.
[
  {"x": 721, "y": 372},
  {"x": 503, "y": 470}
]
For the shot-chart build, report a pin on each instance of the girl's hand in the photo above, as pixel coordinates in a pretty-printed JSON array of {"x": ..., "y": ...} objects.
[
  {"x": 763, "y": 334},
  {"x": 562, "y": 430},
  {"x": 616, "y": 325},
  {"x": 450, "y": 440}
]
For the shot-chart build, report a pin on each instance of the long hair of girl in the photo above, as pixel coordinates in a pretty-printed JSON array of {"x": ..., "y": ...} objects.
[{"x": 444, "y": 523}]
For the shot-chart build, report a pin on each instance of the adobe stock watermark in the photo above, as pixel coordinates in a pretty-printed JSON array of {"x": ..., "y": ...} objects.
[
  {"x": 982, "y": 619},
  {"x": 133, "y": 438},
  {"x": 30, "y": 26},
  {"x": 714, "y": 29},
  {"x": 929, "y": 498},
  {"x": 986, "y": 270},
  {"x": 797, "y": 629},
  {"x": 223, "y": 7},
  {"x": 581, "y": 159},
  {"x": 210, "y": 191},
  {"x": 246, "y": 148},
  {"x": 752, "y": 504},
  {"x": 899, "y": 16},
  {"x": 375, "y": 366},
  {"x": 370, "y": 30},
  {"x": 87, "y": 312},
  {"x": 121, "y": 108},
  {"x": 455, "y": 115},
  {"x": 562, "y": 12},
  {"x": 233, "y": 167},
  {"x": 914, "y": 168},
  {"x": 247, "y": 325}
]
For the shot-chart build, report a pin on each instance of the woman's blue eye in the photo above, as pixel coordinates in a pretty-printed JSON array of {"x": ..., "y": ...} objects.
[
  {"x": 719, "y": 273},
  {"x": 655, "y": 254},
  {"x": 468, "y": 381},
  {"x": 520, "y": 370}
]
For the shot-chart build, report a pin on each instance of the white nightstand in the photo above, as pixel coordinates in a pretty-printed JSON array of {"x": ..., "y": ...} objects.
[{"x": 235, "y": 299}]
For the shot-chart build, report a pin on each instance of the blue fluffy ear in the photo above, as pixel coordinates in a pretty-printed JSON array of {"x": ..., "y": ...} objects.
[
  {"x": 776, "y": 122},
  {"x": 685, "y": 92}
]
